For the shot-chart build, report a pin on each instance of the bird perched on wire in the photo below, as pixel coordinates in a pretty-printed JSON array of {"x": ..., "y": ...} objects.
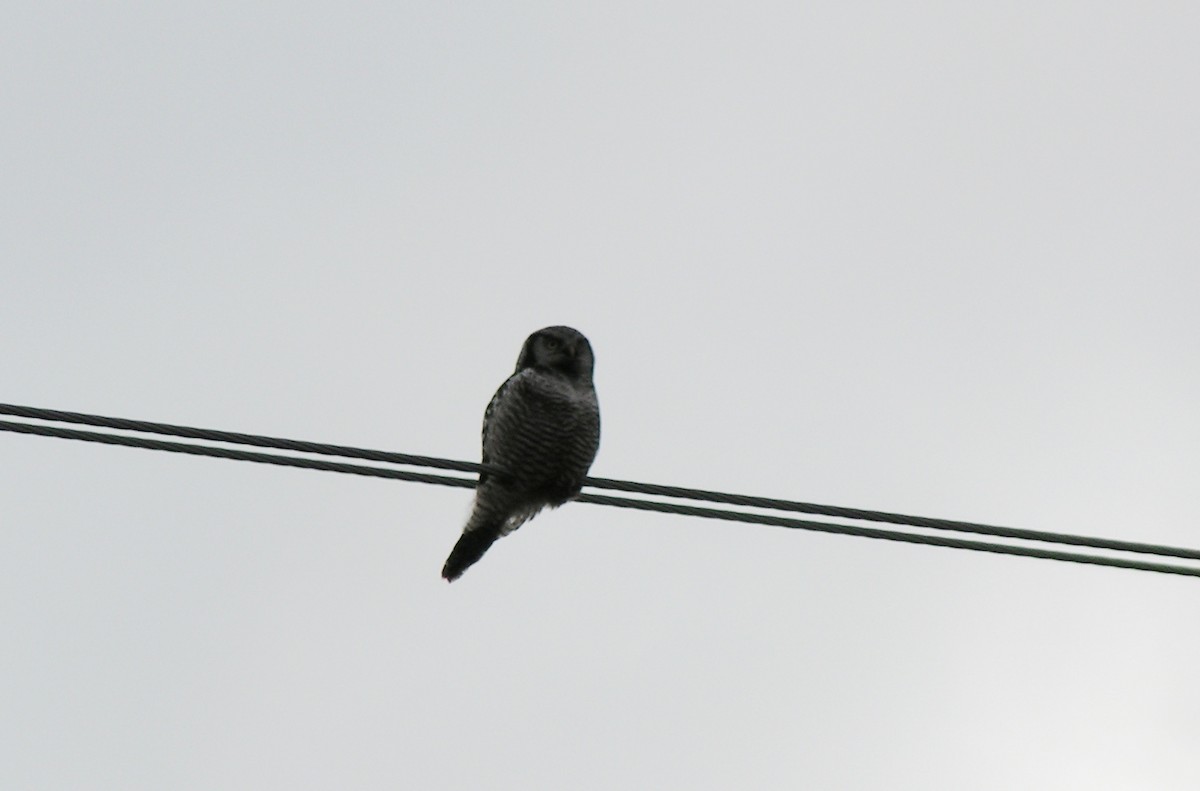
[{"x": 541, "y": 430}]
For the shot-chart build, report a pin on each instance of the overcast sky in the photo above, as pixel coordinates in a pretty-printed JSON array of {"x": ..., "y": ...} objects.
[{"x": 936, "y": 258}]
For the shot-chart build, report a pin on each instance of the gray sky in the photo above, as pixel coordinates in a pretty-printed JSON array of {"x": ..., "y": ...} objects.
[{"x": 933, "y": 258}]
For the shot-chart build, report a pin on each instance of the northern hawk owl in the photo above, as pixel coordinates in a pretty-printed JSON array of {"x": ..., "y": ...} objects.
[{"x": 541, "y": 431}]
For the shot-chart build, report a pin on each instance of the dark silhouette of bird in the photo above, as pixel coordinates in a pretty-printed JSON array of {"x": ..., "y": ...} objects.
[{"x": 541, "y": 431}]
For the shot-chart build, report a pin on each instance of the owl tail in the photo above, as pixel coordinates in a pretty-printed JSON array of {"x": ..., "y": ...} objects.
[{"x": 468, "y": 550}]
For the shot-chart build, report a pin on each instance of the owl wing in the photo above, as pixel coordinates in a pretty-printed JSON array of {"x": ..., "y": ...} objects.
[{"x": 489, "y": 417}]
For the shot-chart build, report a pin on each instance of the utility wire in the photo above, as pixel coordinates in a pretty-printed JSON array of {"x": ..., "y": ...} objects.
[
  {"x": 235, "y": 438},
  {"x": 233, "y": 453},
  {"x": 620, "y": 502},
  {"x": 886, "y": 535},
  {"x": 723, "y": 498}
]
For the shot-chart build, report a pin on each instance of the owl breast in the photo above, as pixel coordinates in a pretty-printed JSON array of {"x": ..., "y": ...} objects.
[{"x": 545, "y": 431}]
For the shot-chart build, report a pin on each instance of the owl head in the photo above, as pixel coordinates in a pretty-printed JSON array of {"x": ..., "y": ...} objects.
[{"x": 560, "y": 349}]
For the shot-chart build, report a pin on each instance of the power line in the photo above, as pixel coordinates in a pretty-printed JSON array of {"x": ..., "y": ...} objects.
[
  {"x": 644, "y": 505},
  {"x": 238, "y": 455},
  {"x": 171, "y": 430},
  {"x": 886, "y": 535},
  {"x": 894, "y": 518},
  {"x": 723, "y": 498}
]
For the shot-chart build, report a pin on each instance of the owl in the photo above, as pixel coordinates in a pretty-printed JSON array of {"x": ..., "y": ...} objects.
[{"x": 541, "y": 430}]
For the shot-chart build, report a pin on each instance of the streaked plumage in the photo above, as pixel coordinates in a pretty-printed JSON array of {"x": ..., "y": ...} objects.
[{"x": 543, "y": 428}]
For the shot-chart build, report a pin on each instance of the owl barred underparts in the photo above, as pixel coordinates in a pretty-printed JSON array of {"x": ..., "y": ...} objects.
[{"x": 542, "y": 428}]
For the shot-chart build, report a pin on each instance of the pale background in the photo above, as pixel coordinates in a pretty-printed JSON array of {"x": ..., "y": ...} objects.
[{"x": 938, "y": 258}]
